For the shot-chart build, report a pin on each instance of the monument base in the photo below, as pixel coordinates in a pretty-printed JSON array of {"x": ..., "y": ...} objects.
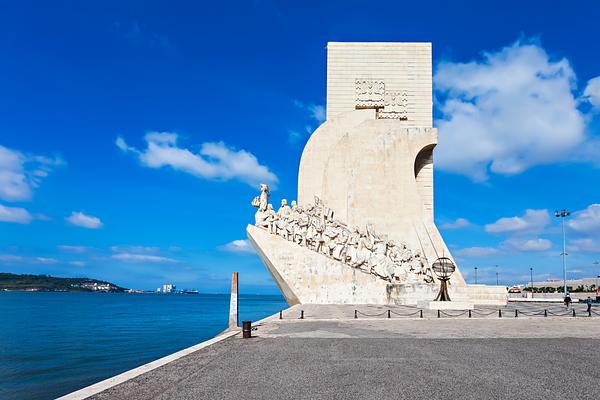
[{"x": 446, "y": 305}]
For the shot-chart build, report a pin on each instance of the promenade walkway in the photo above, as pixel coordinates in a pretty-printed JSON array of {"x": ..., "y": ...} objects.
[{"x": 331, "y": 355}]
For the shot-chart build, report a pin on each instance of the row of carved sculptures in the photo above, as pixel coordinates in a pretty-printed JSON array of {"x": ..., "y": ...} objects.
[{"x": 315, "y": 228}]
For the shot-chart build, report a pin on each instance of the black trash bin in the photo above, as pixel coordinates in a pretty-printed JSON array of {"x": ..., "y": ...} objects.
[{"x": 246, "y": 329}]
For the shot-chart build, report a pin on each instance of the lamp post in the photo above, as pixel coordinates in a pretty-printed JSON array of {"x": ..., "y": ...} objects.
[
  {"x": 562, "y": 215},
  {"x": 531, "y": 272},
  {"x": 597, "y": 278},
  {"x": 497, "y": 281},
  {"x": 476, "y": 275}
]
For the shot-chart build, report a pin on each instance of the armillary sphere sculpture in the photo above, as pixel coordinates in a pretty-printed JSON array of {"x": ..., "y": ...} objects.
[{"x": 443, "y": 267}]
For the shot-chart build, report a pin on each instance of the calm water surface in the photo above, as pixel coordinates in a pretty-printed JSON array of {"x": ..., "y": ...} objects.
[{"x": 54, "y": 343}]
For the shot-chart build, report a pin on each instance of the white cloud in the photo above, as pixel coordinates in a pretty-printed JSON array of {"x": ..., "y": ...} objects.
[
  {"x": 20, "y": 174},
  {"x": 458, "y": 224},
  {"x": 587, "y": 220},
  {"x": 532, "y": 221},
  {"x": 135, "y": 249},
  {"x": 85, "y": 221},
  {"x": 315, "y": 111},
  {"x": 476, "y": 252},
  {"x": 215, "y": 160},
  {"x": 527, "y": 245},
  {"x": 584, "y": 245},
  {"x": 511, "y": 110},
  {"x": 77, "y": 263},
  {"x": 592, "y": 92},
  {"x": 10, "y": 258},
  {"x": 44, "y": 260},
  {"x": 72, "y": 249},
  {"x": 14, "y": 214},
  {"x": 241, "y": 246},
  {"x": 142, "y": 258}
]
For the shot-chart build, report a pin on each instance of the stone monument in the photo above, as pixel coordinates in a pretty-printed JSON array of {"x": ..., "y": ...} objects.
[{"x": 362, "y": 229}]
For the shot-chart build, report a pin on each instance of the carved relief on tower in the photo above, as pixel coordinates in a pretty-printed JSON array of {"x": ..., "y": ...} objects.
[
  {"x": 395, "y": 105},
  {"x": 390, "y": 104},
  {"x": 369, "y": 93}
]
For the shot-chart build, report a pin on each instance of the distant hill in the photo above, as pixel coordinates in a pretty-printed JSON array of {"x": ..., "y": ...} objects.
[{"x": 47, "y": 283}]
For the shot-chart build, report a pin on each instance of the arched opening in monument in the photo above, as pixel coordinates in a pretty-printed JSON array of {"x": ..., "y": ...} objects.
[{"x": 424, "y": 177}]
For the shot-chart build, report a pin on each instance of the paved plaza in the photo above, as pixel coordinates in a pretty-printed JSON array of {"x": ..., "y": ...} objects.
[{"x": 531, "y": 357}]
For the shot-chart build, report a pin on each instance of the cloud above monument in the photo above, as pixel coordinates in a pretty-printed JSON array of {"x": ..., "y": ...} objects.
[
  {"x": 21, "y": 174},
  {"x": 592, "y": 92},
  {"x": 214, "y": 160},
  {"x": 15, "y": 214},
  {"x": 527, "y": 245},
  {"x": 459, "y": 223},
  {"x": 532, "y": 221},
  {"x": 239, "y": 246},
  {"x": 587, "y": 220},
  {"x": 78, "y": 218},
  {"x": 508, "y": 111},
  {"x": 476, "y": 251}
]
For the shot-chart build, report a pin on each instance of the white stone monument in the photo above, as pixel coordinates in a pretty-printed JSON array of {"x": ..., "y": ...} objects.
[{"x": 362, "y": 230}]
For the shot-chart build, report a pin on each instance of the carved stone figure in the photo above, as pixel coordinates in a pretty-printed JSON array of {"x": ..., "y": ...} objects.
[
  {"x": 271, "y": 217},
  {"x": 282, "y": 219},
  {"x": 261, "y": 202},
  {"x": 340, "y": 248}
]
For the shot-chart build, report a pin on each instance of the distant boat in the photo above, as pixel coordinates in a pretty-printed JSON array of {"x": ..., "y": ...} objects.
[{"x": 190, "y": 292}]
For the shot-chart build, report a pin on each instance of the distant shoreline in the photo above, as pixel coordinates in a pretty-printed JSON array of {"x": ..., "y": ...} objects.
[{"x": 47, "y": 283}]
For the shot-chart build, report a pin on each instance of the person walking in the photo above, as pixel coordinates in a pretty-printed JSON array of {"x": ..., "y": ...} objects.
[
  {"x": 568, "y": 300},
  {"x": 588, "y": 301}
]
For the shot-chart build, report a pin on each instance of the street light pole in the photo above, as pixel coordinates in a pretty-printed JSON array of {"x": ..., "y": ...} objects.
[
  {"x": 597, "y": 279},
  {"x": 497, "y": 281},
  {"x": 531, "y": 272},
  {"x": 562, "y": 215},
  {"x": 476, "y": 275}
]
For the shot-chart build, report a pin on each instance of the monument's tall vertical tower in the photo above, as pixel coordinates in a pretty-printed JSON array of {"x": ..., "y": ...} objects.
[{"x": 403, "y": 71}]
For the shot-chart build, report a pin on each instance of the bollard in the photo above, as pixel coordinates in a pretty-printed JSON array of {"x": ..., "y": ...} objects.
[
  {"x": 389, "y": 315},
  {"x": 499, "y": 313},
  {"x": 355, "y": 314},
  {"x": 421, "y": 314},
  {"x": 469, "y": 313},
  {"x": 573, "y": 312},
  {"x": 301, "y": 314},
  {"x": 246, "y": 329},
  {"x": 516, "y": 313},
  {"x": 280, "y": 314},
  {"x": 545, "y": 313},
  {"x": 438, "y": 313}
]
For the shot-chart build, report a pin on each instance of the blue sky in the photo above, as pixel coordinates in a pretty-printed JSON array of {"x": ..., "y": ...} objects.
[{"x": 133, "y": 134}]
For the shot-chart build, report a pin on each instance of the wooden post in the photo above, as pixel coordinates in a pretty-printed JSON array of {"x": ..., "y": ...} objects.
[{"x": 233, "y": 303}]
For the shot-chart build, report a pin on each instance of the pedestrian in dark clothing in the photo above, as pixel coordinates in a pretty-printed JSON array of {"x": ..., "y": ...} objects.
[
  {"x": 588, "y": 301},
  {"x": 568, "y": 300}
]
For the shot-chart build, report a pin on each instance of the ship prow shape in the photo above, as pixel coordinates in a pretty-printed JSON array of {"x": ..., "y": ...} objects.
[{"x": 307, "y": 277}]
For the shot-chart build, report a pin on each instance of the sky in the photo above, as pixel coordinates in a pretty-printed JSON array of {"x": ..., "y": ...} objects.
[{"x": 134, "y": 134}]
